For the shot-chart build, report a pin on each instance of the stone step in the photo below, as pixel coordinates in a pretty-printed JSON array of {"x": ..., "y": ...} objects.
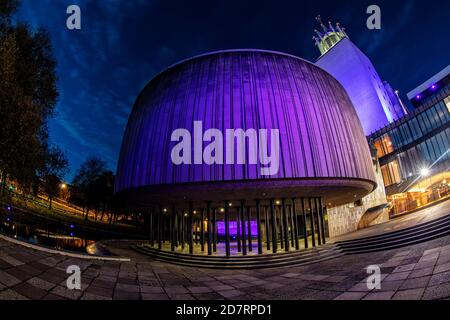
[
  {"x": 405, "y": 231},
  {"x": 393, "y": 240},
  {"x": 257, "y": 262}
]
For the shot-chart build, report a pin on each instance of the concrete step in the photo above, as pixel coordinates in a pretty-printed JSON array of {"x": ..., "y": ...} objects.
[
  {"x": 297, "y": 258},
  {"x": 397, "y": 239}
]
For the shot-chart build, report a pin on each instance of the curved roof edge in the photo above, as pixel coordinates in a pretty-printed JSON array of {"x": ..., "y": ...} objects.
[{"x": 229, "y": 51}]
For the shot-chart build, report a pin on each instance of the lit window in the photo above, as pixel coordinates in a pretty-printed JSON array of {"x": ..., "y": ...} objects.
[{"x": 447, "y": 103}]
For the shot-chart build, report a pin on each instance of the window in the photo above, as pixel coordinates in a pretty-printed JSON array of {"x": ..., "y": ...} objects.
[
  {"x": 447, "y": 103},
  {"x": 391, "y": 173}
]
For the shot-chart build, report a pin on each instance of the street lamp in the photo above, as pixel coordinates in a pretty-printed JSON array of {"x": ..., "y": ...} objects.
[
  {"x": 63, "y": 186},
  {"x": 424, "y": 172}
]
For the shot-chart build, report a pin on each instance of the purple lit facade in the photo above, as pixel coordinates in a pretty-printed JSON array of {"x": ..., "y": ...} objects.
[
  {"x": 233, "y": 225},
  {"x": 323, "y": 150},
  {"x": 323, "y": 158},
  {"x": 353, "y": 69}
]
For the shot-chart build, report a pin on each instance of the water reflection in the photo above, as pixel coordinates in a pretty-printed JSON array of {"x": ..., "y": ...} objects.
[{"x": 66, "y": 240}]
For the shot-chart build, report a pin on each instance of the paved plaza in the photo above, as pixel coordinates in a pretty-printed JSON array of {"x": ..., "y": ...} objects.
[{"x": 416, "y": 272}]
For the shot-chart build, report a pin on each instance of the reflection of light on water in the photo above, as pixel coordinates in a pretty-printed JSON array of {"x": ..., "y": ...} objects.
[
  {"x": 91, "y": 249},
  {"x": 44, "y": 237}
]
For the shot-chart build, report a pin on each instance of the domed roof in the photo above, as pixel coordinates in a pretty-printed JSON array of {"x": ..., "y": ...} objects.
[{"x": 196, "y": 109}]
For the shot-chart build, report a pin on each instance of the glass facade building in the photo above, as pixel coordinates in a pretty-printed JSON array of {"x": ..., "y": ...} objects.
[{"x": 417, "y": 145}]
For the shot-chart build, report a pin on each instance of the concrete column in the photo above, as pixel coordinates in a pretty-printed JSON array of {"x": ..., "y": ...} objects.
[
  {"x": 281, "y": 226},
  {"x": 258, "y": 222},
  {"x": 291, "y": 226},
  {"x": 322, "y": 220},
  {"x": 238, "y": 229},
  {"x": 244, "y": 245},
  {"x": 267, "y": 225},
  {"x": 313, "y": 236},
  {"x": 316, "y": 205},
  {"x": 274, "y": 227},
  {"x": 208, "y": 214},
  {"x": 286, "y": 225},
  {"x": 172, "y": 229},
  {"x": 191, "y": 227},
  {"x": 249, "y": 228},
  {"x": 214, "y": 230},
  {"x": 152, "y": 234},
  {"x": 305, "y": 230},
  {"x": 227, "y": 229},
  {"x": 202, "y": 229},
  {"x": 183, "y": 230},
  {"x": 295, "y": 222},
  {"x": 160, "y": 227}
]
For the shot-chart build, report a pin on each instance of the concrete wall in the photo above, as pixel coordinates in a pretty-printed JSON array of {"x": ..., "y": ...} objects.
[
  {"x": 353, "y": 69},
  {"x": 345, "y": 219}
]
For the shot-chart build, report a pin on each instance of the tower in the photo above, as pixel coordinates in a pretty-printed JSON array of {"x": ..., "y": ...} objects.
[{"x": 353, "y": 69}]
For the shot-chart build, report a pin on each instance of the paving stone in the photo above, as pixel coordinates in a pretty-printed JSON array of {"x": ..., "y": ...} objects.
[
  {"x": 89, "y": 296},
  {"x": 323, "y": 295},
  {"x": 154, "y": 296},
  {"x": 360, "y": 287},
  {"x": 425, "y": 264},
  {"x": 98, "y": 291},
  {"x": 391, "y": 285},
  {"x": 380, "y": 295},
  {"x": 242, "y": 285},
  {"x": 402, "y": 253},
  {"x": 126, "y": 295},
  {"x": 177, "y": 290},
  {"x": 403, "y": 268},
  {"x": 290, "y": 275},
  {"x": 335, "y": 279},
  {"x": 11, "y": 295},
  {"x": 200, "y": 289},
  {"x": 66, "y": 293},
  {"x": 421, "y": 273},
  {"x": 230, "y": 293},
  {"x": 437, "y": 292},
  {"x": 103, "y": 283},
  {"x": 221, "y": 287},
  {"x": 150, "y": 289},
  {"x": 271, "y": 286},
  {"x": 7, "y": 279},
  {"x": 351, "y": 296},
  {"x": 442, "y": 268},
  {"x": 439, "y": 278},
  {"x": 12, "y": 261},
  {"x": 398, "y": 276},
  {"x": 29, "y": 291},
  {"x": 127, "y": 287},
  {"x": 415, "y": 283},
  {"x": 412, "y": 294}
]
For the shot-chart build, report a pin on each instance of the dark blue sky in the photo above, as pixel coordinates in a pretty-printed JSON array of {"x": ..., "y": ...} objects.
[{"x": 123, "y": 44}]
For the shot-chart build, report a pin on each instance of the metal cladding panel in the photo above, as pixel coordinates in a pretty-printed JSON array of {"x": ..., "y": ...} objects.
[{"x": 320, "y": 133}]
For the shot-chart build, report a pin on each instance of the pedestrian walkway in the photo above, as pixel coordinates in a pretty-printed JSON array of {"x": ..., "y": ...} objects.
[{"x": 420, "y": 271}]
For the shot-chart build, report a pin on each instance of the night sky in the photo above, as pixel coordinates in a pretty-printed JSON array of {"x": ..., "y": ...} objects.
[{"x": 123, "y": 44}]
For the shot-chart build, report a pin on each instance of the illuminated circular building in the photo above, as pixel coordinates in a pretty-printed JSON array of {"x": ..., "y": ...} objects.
[{"x": 242, "y": 148}]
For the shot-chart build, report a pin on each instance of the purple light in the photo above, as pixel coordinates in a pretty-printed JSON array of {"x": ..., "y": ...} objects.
[
  {"x": 8, "y": 208},
  {"x": 72, "y": 234},
  {"x": 233, "y": 228},
  {"x": 72, "y": 226},
  {"x": 8, "y": 219},
  {"x": 433, "y": 87},
  {"x": 418, "y": 97}
]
